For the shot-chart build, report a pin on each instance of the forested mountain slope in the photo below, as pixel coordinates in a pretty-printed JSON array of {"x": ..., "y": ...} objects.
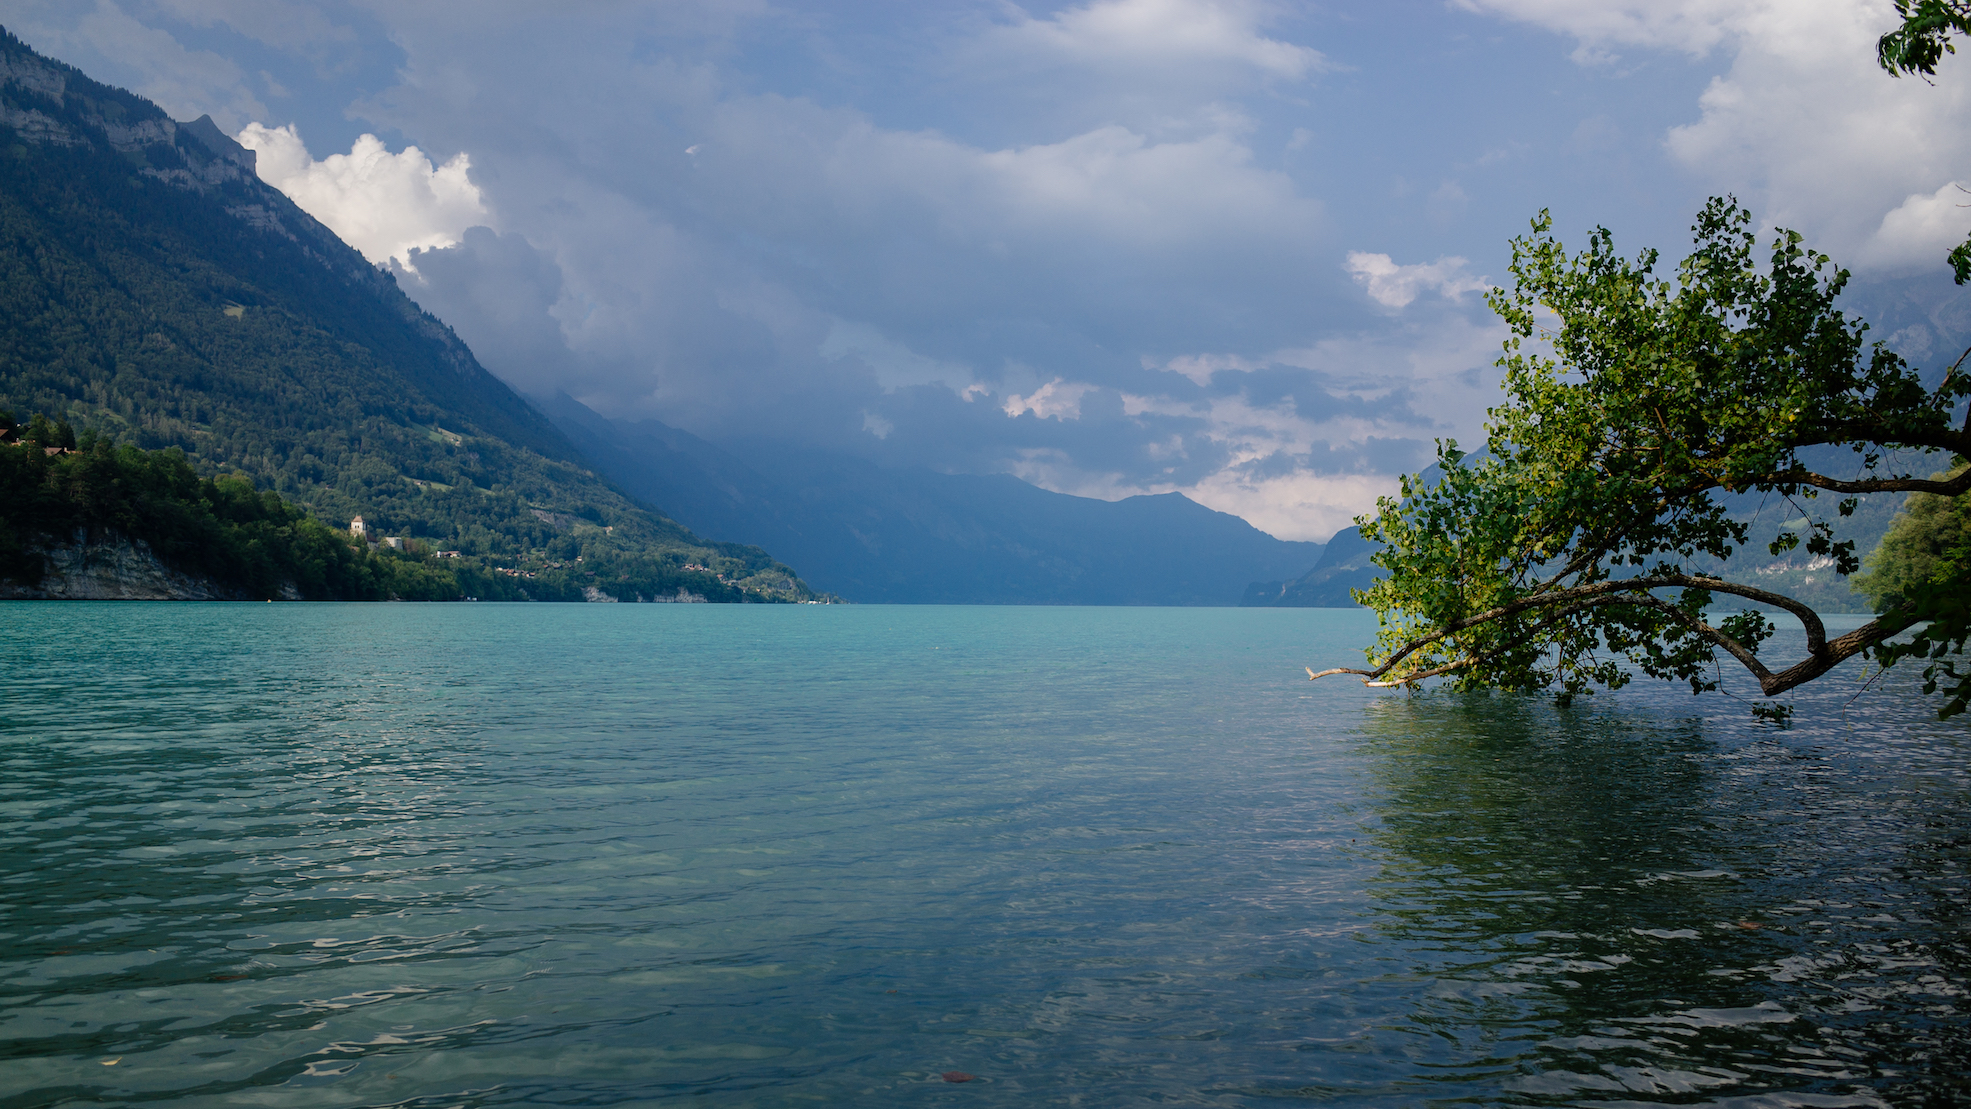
[{"x": 154, "y": 290}]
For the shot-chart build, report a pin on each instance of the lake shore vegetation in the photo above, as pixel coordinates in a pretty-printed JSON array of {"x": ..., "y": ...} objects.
[
  {"x": 58, "y": 487},
  {"x": 1574, "y": 551}
]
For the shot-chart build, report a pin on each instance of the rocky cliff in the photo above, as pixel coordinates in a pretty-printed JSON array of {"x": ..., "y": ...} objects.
[{"x": 111, "y": 567}]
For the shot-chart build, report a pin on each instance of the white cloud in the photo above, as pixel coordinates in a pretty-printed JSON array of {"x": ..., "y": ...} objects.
[
  {"x": 383, "y": 204},
  {"x": 1447, "y": 368},
  {"x": 1251, "y": 431},
  {"x": 1200, "y": 367},
  {"x": 1804, "y": 125},
  {"x": 1920, "y": 229},
  {"x": 1053, "y": 227},
  {"x": 1302, "y": 505},
  {"x": 1691, "y": 26},
  {"x": 1837, "y": 147},
  {"x": 1056, "y": 400},
  {"x": 1302, "y": 467},
  {"x": 1133, "y": 190},
  {"x": 1158, "y": 34},
  {"x": 1110, "y": 186},
  {"x": 1163, "y": 67},
  {"x": 1395, "y": 286}
]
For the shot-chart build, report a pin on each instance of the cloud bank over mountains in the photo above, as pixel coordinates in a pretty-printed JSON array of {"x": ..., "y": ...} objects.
[
  {"x": 1223, "y": 247},
  {"x": 385, "y": 205}
]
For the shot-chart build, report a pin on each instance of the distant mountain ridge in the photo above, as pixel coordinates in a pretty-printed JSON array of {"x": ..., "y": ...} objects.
[
  {"x": 154, "y": 290},
  {"x": 1344, "y": 566},
  {"x": 884, "y": 535}
]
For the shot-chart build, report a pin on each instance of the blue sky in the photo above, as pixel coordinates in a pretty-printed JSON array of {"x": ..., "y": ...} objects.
[{"x": 1227, "y": 247}]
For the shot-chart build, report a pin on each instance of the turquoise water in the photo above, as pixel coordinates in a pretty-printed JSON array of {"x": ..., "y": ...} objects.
[{"x": 434, "y": 856}]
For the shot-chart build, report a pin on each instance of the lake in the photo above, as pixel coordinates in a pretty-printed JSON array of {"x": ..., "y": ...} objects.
[{"x": 472, "y": 855}]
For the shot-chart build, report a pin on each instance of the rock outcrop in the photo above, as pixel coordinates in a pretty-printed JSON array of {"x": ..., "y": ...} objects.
[{"x": 112, "y": 567}]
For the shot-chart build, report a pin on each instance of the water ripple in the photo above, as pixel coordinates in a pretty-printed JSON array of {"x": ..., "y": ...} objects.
[{"x": 450, "y": 856}]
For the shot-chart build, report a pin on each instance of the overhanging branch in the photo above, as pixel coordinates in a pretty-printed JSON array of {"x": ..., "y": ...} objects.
[
  {"x": 1816, "y": 632},
  {"x": 1551, "y": 619},
  {"x": 1823, "y": 654},
  {"x": 1948, "y": 487}
]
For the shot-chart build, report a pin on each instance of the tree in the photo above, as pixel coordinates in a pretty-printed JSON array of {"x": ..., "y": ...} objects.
[
  {"x": 1916, "y": 47},
  {"x": 41, "y": 432},
  {"x": 1923, "y": 564},
  {"x": 1924, "y": 37},
  {"x": 1571, "y": 550}
]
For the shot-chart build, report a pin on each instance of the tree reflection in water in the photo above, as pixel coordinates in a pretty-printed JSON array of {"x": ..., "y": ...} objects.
[{"x": 1625, "y": 903}]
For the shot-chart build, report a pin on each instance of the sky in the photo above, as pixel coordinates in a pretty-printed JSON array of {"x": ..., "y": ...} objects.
[{"x": 1237, "y": 249}]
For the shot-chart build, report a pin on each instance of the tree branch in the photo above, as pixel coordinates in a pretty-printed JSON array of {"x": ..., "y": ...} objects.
[
  {"x": 1822, "y": 655},
  {"x": 1837, "y": 651},
  {"x": 1590, "y": 479},
  {"x": 1809, "y": 619},
  {"x": 1950, "y": 487},
  {"x": 1816, "y": 631},
  {"x": 1738, "y": 650},
  {"x": 1952, "y": 372},
  {"x": 1369, "y": 675}
]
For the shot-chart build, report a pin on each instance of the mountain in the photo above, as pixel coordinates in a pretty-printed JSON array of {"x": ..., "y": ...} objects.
[
  {"x": 913, "y": 536},
  {"x": 154, "y": 291},
  {"x": 1344, "y": 565}
]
